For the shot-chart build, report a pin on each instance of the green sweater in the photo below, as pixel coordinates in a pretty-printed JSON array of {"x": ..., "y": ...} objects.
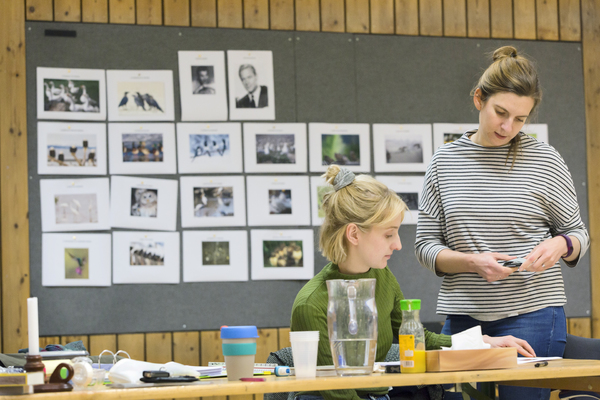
[{"x": 309, "y": 313}]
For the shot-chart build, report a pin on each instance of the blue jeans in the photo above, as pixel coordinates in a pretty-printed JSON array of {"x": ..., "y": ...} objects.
[{"x": 545, "y": 330}]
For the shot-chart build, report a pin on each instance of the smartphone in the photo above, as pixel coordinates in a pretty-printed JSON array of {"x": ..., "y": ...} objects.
[
  {"x": 155, "y": 374},
  {"x": 516, "y": 263},
  {"x": 169, "y": 379}
]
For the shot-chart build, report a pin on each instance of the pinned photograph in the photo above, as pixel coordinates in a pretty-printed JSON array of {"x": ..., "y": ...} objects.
[
  {"x": 72, "y": 94},
  {"x": 537, "y": 131},
  {"x": 448, "y": 133},
  {"x": 401, "y": 148},
  {"x": 215, "y": 256},
  {"x": 142, "y": 148},
  {"x": 202, "y": 85},
  {"x": 341, "y": 144},
  {"x": 70, "y": 259},
  {"x": 318, "y": 188},
  {"x": 408, "y": 188},
  {"x": 141, "y": 203},
  {"x": 275, "y": 147},
  {"x": 251, "y": 85},
  {"x": 213, "y": 201},
  {"x": 74, "y": 204},
  {"x": 71, "y": 148},
  {"x": 282, "y": 254},
  {"x": 209, "y": 148},
  {"x": 145, "y": 257},
  {"x": 278, "y": 200},
  {"x": 135, "y": 95}
]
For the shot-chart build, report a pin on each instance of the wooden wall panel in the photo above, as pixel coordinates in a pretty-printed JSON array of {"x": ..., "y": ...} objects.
[
  {"x": 134, "y": 344},
  {"x": 70, "y": 339},
  {"x": 430, "y": 17},
  {"x": 407, "y": 17},
  {"x": 46, "y": 340},
  {"x": 99, "y": 343},
  {"x": 39, "y": 10},
  {"x": 382, "y": 17},
  {"x": 229, "y": 14},
  {"x": 501, "y": 14},
  {"x": 570, "y": 20},
  {"x": 149, "y": 12},
  {"x": 590, "y": 44},
  {"x": 284, "y": 338},
  {"x": 159, "y": 347},
  {"x": 210, "y": 350},
  {"x": 94, "y": 11},
  {"x": 478, "y": 18},
  {"x": 186, "y": 349},
  {"x": 547, "y": 19},
  {"x": 524, "y": 19},
  {"x": 580, "y": 327},
  {"x": 357, "y": 15},
  {"x": 204, "y": 13},
  {"x": 176, "y": 12},
  {"x": 308, "y": 15},
  {"x": 268, "y": 341},
  {"x": 256, "y": 14},
  {"x": 455, "y": 18},
  {"x": 122, "y": 11},
  {"x": 282, "y": 14},
  {"x": 333, "y": 17},
  {"x": 67, "y": 10}
]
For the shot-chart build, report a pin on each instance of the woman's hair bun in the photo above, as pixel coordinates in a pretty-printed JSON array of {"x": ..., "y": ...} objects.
[
  {"x": 331, "y": 173},
  {"x": 503, "y": 52}
]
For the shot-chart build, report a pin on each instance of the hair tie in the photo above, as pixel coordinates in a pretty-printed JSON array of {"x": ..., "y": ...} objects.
[{"x": 343, "y": 178}]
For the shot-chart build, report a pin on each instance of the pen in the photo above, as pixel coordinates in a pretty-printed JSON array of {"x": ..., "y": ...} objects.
[
  {"x": 541, "y": 364},
  {"x": 252, "y": 379}
]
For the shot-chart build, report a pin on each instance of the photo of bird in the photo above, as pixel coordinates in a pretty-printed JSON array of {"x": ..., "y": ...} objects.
[
  {"x": 77, "y": 263},
  {"x": 71, "y": 96},
  {"x": 140, "y": 98},
  {"x": 284, "y": 253}
]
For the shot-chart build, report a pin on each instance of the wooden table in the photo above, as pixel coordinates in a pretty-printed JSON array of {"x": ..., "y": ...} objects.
[{"x": 558, "y": 374}]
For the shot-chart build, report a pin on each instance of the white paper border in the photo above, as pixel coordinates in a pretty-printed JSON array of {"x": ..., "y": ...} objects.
[
  {"x": 315, "y": 183},
  {"x": 405, "y": 184},
  {"x": 381, "y": 132},
  {"x": 315, "y": 132},
  {"x": 250, "y": 150},
  {"x": 440, "y": 129},
  {"x": 258, "y": 200},
  {"x": 260, "y": 272},
  {"x": 540, "y": 130}
]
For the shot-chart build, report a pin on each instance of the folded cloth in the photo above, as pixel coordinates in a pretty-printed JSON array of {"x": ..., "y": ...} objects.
[{"x": 73, "y": 346}]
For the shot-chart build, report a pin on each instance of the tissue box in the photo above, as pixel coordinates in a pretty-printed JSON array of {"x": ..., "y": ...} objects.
[{"x": 464, "y": 360}]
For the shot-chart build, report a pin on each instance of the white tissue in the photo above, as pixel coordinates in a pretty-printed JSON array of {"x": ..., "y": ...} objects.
[
  {"x": 130, "y": 371},
  {"x": 469, "y": 340}
]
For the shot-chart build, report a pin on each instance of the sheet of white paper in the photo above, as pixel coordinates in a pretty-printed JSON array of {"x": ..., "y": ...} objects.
[
  {"x": 409, "y": 188},
  {"x": 142, "y": 148},
  {"x": 401, "y": 148},
  {"x": 146, "y": 257},
  {"x": 71, "y": 148},
  {"x": 74, "y": 204},
  {"x": 276, "y": 148},
  {"x": 282, "y": 254},
  {"x": 215, "y": 256},
  {"x": 538, "y": 131},
  {"x": 72, "y": 94},
  {"x": 202, "y": 85},
  {"x": 143, "y": 203},
  {"x": 342, "y": 144},
  {"x": 278, "y": 200},
  {"x": 74, "y": 259},
  {"x": 213, "y": 201},
  {"x": 448, "y": 133},
  {"x": 209, "y": 148},
  {"x": 136, "y": 95},
  {"x": 526, "y": 360},
  {"x": 251, "y": 85}
]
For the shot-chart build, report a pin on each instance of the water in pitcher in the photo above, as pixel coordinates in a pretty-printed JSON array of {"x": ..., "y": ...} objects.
[{"x": 353, "y": 357}]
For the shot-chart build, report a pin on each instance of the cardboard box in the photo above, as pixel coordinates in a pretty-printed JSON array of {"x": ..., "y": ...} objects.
[{"x": 464, "y": 360}]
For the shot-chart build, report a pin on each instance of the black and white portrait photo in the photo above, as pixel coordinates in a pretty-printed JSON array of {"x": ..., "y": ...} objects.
[
  {"x": 251, "y": 86},
  {"x": 257, "y": 96},
  {"x": 203, "y": 79}
]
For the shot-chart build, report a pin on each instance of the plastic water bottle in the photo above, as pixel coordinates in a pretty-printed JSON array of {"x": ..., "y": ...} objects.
[{"x": 411, "y": 338}]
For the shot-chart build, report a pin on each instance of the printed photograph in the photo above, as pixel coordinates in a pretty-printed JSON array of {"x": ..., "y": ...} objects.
[
  {"x": 203, "y": 79},
  {"x": 76, "y": 208},
  {"x": 141, "y": 98},
  {"x": 71, "y": 95},
  {"x": 275, "y": 149},
  {"x": 209, "y": 146},
  {"x": 321, "y": 190},
  {"x": 340, "y": 149},
  {"x": 146, "y": 253},
  {"x": 77, "y": 263},
  {"x": 142, "y": 147},
  {"x": 71, "y": 150},
  {"x": 283, "y": 253},
  {"x": 451, "y": 137},
  {"x": 408, "y": 149},
  {"x": 213, "y": 201},
  {"x": 253, "y": 94},
  {"x": 280, "y": 201},
  {"x": 411, "y": 200},
  {"x": 144, "y": 202},
  {"x": 215, "y": 253}
]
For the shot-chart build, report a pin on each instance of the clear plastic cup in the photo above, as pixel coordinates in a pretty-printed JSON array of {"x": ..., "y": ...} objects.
[{"x": 305, "y": 346}]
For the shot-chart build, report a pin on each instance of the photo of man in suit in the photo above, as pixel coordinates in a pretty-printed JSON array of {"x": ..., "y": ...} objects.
[
  {"x": 202, "y": 78},
  {"x": 257, "y": 96}
]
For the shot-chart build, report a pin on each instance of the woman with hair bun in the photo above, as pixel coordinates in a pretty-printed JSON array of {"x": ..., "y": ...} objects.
[
  {"x": 358, "y": 236},
  {"x": 494, "y": 195}
]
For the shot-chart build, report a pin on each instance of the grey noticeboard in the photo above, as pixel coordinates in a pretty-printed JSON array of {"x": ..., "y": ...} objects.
[{"x": 319, "y": 77}]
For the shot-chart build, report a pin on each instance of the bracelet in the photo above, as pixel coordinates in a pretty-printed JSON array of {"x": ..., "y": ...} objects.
[{"x": 569, "y": 246}]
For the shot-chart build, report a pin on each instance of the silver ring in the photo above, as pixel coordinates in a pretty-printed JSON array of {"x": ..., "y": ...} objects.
[{"x": 543, "y": 265}]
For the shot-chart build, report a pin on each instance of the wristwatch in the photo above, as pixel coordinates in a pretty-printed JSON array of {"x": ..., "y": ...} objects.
[{"x": 569, "y": 246}]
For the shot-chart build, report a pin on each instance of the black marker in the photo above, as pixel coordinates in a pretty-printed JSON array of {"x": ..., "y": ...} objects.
[{"x": 541, "y": 364}]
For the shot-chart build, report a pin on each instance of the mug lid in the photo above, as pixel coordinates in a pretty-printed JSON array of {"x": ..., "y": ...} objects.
[
  {"x": 239, "y": 332},
  {"x": 410, "y": 304}
]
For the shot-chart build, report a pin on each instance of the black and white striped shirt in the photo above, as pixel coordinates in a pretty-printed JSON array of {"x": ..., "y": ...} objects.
[{"x": 473, "y": 202}]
